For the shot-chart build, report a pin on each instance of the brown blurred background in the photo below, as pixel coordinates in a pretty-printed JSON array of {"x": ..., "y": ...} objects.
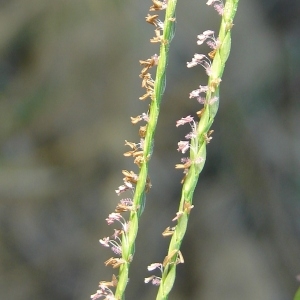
[{"x": 68, "y": 86}]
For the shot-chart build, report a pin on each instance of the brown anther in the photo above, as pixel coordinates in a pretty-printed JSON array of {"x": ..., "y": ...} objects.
[
  {"x": 148, "y": 185},
  {"x": 129, "y": 153},
  {"x": 187, "y": 206},
  {"x": 139, "y": 160},
  {"x": 212, "y": 53},
  {"x": 169, "y": 257},
  {"x": 155, "y": 40},
  {"x": 114, "y": 280},
  {"x": 214, "y": 84},
  {"x": 122, "y": 208},
  {"x": 137, "y": 153},
  {"x": 114, "y": 262},
  {"x": 112, "y": 283},
  {"x": 180, "y": 259},
  {"x": 158, "y": 36},
  {"x": 150, "y": 84},
  {"x": 130, "y": 176},
  {"x": 207, "y": 138},
  {"x": 147, "y": 64},
  {"x": 146, "y": 77},
  {"x": 131, "y": 145},
  {"x": 183, "y": 166},
  {"x": 144, "y": 70},
  {"x": 135, "y": 120},
  {"x": 178, "y": 216},
  {"x": 152, "y": 19},
  {"x": 180, "y": 166},
  {"x": 108, "y": 262},
  {"x": 200, "y": 112},
  {"x": 145, "y": 96},
  {"x": 168, "y": 231},
  {"x": 183, "y": 179},
  {"x": 142, "y": 131},
  {"x": 105, "y": 283},
  {"x": 210, "y": 133},
  {"x": 157, "y": 5}
]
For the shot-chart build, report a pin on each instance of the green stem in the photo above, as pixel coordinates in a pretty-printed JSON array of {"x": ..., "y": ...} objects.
[
  {"x": 139, "y": 195},
  {"x": 198, "y": 150}
]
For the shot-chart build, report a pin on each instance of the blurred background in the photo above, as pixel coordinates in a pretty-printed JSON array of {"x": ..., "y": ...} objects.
[{"x": 68, "y": 86}]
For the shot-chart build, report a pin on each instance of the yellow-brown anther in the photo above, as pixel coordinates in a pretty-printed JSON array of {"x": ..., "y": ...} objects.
[
  {"x": 144, "y": 70},
  {"x": 131, "y": 145},
  {"x": 147, "y": 81},
  {"x": 179, "y": 214},
  {"x": 212, "y": 53},
  {"x": 207, "y": 138},
  {"x": 158, "y": 36},
  {"x": 150, "y": 61},
  {"x": 122, "y": 208},
  {"x": 142, "y": 131},
  {"x": 183, "y": 179},
  {"x": 183, "y": 166},
  {"x": 148, "y": 185},
  {"x": 214, "y": 84},
  {"x": 137, "y": 153},
  {"x": 145, "y": 96},
  {"x": 150, "y": 84},
  {"x": 169, "y": 257},
  {"x": 180, "y": 259},
  {"x": 210, "y": 133},
  {"x": 114, "y": 280},
  {"x": 168, "y": 231},
  {"x": 180, "y": 166},
  {"x": 112, "y": 283},
  {"x": 157, "y": 5},
  {"x": 156, "y": 39},
  {"x": 130, "y": 176},
  {"x": 187, "y": 207},
  {"x": 200, "y": 112},
  {"x": 139, "y": 160},
  {"x": 152, "y": 19},
  {"x": 135, "y": 120},
  {"x": 114, "y": 262},
  {"x": 145, "y": 77},
  {"x": 129, "y": 153}
]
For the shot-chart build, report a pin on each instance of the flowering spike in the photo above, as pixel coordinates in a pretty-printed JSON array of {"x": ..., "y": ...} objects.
[{"x": 200, "y": 136}]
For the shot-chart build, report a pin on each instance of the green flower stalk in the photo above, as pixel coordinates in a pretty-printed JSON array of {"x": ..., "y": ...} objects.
[
  {"x": 122, "y": 242},
  {"x": 199, "y": 137}
]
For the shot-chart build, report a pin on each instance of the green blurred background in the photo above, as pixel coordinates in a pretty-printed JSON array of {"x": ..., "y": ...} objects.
[{"x": 68, "y": 86}]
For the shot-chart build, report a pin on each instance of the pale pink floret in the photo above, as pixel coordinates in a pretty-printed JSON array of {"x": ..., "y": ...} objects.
[
  {"x": 183, "y": 146},
  {"x": 218, "y": 5},
  {"x": 184, "y": 120}
]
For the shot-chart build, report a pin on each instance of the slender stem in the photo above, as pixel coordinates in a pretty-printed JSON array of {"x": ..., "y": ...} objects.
[
  {"x": 139, "y": 195},
  {"x": 198, "y": 150}
]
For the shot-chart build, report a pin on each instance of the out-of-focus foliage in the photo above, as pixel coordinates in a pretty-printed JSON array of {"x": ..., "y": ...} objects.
[
  {"x": 68, "y": 86},
  {"x": 297, "y": 295}
]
